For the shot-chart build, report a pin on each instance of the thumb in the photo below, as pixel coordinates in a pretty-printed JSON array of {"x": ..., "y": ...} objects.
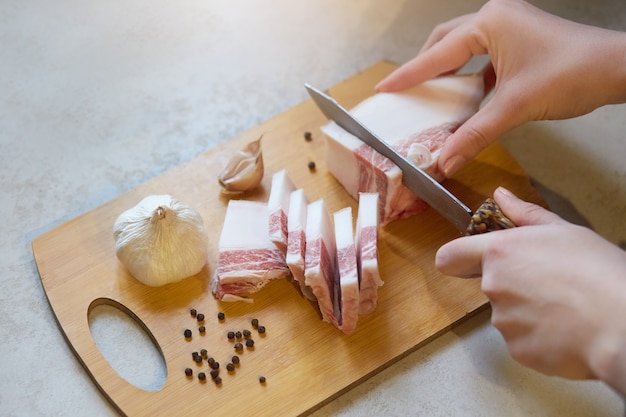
[{"x": 523, "y": 213}]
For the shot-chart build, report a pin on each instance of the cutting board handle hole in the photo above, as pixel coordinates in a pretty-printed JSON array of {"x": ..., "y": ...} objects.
[{"x": 127, "y": 344}]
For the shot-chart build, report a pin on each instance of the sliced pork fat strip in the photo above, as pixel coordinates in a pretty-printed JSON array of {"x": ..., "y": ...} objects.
[
  {"x": 320, "y": 270},
  {"x": 278, "y": 207},
  {"x": 367, "y": 252},
  {"x": 348, "y": 295},
  {"x": 416, "y": 122},
  {"x": 296, "y": 240},
  {"x": 248, "y": 260}
]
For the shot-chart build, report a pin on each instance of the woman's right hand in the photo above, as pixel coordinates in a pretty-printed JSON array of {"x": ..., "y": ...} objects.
[{"x": 545, "y": 68}]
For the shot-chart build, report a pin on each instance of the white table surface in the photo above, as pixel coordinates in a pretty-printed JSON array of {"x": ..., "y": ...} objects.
[{"x": 98, "y": 97}]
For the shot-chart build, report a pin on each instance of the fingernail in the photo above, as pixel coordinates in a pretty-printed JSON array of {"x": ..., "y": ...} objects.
[
  {"x": 503, "y": 192},
  {"x": 452, "y": 165}
]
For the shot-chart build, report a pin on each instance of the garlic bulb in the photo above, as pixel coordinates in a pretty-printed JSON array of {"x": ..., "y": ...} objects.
[
  {"x": 244, "y": 171},
  {"x": 161, "y": 240}
]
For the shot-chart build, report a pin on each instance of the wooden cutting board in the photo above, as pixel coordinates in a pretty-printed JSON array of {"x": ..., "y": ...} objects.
[{"x": 306, "y": 362}]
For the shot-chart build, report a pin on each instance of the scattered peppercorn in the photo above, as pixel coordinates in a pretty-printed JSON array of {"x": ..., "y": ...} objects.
[
  {"x": 215, "y": 373},
  {"x": 238, "y": 346},
  {"x": 188, "y": 372},
  {"x": 211, "y": 361},
  {"x": 238, "y": 334},
  {"x": 218, "y": 380},
  {"x": 194, "y": 355},
  {"x": 201, "y": 376},
  {"x": 221, "y": 316},
  {"x": 198, "y": 359},
  {"x": 215, "y": 365},
  {"x": 230, "y": 367},
  {"x": 187, "y": 333},
  {"x": 247, "y": 333},
  {"x": 249, "y": 343},
  {"x": 202, "y": 329},
  {"x": 262, "y": 379},
  {"x": 193, "y": 312},
  {"x": 311, "y": 166},
  {"x": 255, "y": 323},
  {"x": 261, "y": 329},
  {"x": 200, "y": 317},
  {"x": 308, "y": 136},
  {"x": 203, "y": 353},
  {"x": 231, "y": 335},
  {"x": 235, "y": 359}
]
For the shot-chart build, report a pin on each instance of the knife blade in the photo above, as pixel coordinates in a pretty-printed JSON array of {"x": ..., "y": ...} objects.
[{"x": 487, "y": 218}]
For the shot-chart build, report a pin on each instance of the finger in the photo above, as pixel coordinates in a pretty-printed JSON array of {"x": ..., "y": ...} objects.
[
  {"x": 442, "y": 29},
  {"x": 462, "y": 257},
  {"x": 484, "y": 127},
  {"x": 449, "y": 54},
  {"x": 523, "y": 213}
]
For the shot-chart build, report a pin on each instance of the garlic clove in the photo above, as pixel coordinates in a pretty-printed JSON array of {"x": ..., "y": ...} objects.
[
  {"x": 161, "y": 240},
  {"x": 245, "y": 169}
]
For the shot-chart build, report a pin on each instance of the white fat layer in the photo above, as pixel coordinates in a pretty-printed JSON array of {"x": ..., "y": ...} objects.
[
  {"x": 245, "y": 226},
  {"x": 318, "y": 225},
  {"x": 344, "y": 235},
  {"x": 394, "y": 116},
  {"x": 282, "y": 186},
  {"x": 296, "y": 217},
  {"x": 368, "y": 210}
]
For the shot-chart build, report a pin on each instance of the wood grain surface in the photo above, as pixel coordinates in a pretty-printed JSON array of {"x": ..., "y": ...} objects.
[{"x": 306, "y": 362}]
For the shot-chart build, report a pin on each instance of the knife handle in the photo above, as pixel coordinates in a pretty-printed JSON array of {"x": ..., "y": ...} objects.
[{"x": 488, "y": 218}]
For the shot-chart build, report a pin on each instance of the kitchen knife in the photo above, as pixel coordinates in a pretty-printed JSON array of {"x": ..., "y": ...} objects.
[{"x": 487, "y": 218}]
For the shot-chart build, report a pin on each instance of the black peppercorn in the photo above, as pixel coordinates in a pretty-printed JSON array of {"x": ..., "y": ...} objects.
[
  {"x": 308, "y": 136},
  {"x": 203, "y": 353},
  {"x": 255, "y": 323},
  {"x": 230, "y": 367},
  {"x": 261, "y": 329},
  {"x": 218, "y": 380},
  {"x": 238, "y": 335},
  {"x": 215, "y": 373},
  {"x": 231, "y": 335},
  {"x": 249, "y": 343},
  {"x": 221, "y": 316},
  {"x": 238, "y": 346},
  {"x": 311, "y": 166},
  {"x": 235, "y": 359},
  {"x": 262, "y": 379},
  {"x": 202, "y": 329},
  {"x": 201, "y": 376},
  {"x": 198, "y": 359},
  {"x": 200, "y": 317},
  {"x": 211, "y": 361},
  {"x": 247, "y": 333},
  {"x": 193, "y": 312},
  {"x": 188, "y": 372},
  {"x": 187, "y": 333},
  {"x": 215, "y": 365}
]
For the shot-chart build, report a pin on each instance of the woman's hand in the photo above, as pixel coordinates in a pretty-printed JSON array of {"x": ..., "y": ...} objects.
[
  {"x": 545, "y": 67},
  {"x": 557, "y": 291}
]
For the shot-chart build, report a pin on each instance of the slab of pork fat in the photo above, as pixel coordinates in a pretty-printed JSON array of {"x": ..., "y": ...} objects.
[
  {"x": 278, "y": 207},
  {"x": 320, "y": 269},
  {"x": 348, "y": 295},
  {"x": 248, "y": 259},
  {"x": 367, "y": 252},
  {"x": 296, "y": 241},
  {"x": 416, "y": 122}
]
